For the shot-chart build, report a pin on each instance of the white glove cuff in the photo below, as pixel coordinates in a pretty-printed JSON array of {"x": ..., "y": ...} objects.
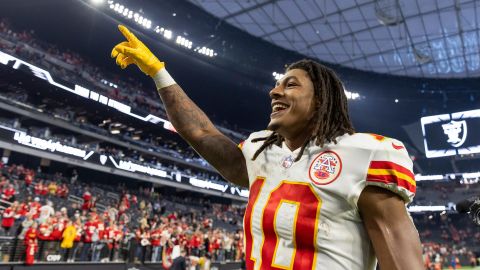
[{"x": 163, "y": 79}]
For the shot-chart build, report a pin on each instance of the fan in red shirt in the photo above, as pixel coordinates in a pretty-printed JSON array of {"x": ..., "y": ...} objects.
[
  {"x": 88, "y": 205},
  {"x": 31, "y": 244},
  {"x": 195, "y": 243},
  {"x": 155, "y": 236},
  {"x": 38, "y": 188},
  {"x": 22, "y": 210},
  {"x": 8, "y": 193},
  {"x": 28, "y": 180},
  {"x": 35, "y": 207},
  {"x": 87, "y": 196},
  {"x": 134, "y": 199},
  {"x": 89, "y": 230},
  {"x": 59, "y": 224},
  {"x": 109, "y": 235},
  {"x": 172, "y": 216},
  {"x": 62, "y": 191},
  {"x": 45, "y": 230},
  {"x": 8, "y": 217},
  {"x": 44, "y": 189}
]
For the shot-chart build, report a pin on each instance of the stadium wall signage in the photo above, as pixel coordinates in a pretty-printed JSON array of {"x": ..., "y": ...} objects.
[
  {"x": 19, "y": 64},
  {"x": 451, "y": 134},
  {"x": 12, "y": 135}
]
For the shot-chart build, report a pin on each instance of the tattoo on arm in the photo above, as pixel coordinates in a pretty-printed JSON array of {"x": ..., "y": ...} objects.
[
  {"x": 197, "y": 129},
  {"x": 183, "y": 112}
]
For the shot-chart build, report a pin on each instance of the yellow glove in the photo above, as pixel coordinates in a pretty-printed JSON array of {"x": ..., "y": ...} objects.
[{"x": 135, "y": 52}]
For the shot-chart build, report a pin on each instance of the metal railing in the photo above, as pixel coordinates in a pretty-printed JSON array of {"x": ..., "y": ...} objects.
[{"x": 13, "y": 250}]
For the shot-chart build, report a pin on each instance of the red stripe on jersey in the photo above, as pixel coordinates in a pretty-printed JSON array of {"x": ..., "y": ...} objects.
[
  {"x": 240, "y": 145},
  {"x": 247, "y": 220},
  {"x": 390, "y": 166},
  {"x": 305, "y": 225},
  {"x": 392, "y": 179}
]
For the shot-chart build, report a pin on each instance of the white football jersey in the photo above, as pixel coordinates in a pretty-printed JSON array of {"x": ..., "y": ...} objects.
[{"x": 304, "y": 214}]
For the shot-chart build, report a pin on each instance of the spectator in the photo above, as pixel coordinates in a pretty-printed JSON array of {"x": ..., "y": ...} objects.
[
  {"x": 180, "y": 263},
  {"x": 89, "y": 229},
  {"x": 46, "y": 211},
  {"x": 52, "y": 188},
  {"x": 26, "y": 224},
  {"x": 8, "y": 218},
  {"x": 31, "y": 244},
  {"x": 155, "y": 240},
  {"x": 8, "y": 194},
  {"x": 68, "y": 237}
]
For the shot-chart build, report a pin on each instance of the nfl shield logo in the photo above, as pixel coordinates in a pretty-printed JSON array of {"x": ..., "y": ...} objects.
[{"x": 287, "y": 162}]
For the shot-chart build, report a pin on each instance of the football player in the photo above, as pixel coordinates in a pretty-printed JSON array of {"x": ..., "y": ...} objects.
[{"x": 321, "y": 195}]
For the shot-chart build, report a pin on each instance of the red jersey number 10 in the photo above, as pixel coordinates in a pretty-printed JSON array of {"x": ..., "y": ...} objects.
[{"x": 305, "y": 224}]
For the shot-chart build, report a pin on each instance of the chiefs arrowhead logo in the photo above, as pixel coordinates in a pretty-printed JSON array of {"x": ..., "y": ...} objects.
[
  {"x": 325, "y": 168},
  {"x": 398, "y": 147}
]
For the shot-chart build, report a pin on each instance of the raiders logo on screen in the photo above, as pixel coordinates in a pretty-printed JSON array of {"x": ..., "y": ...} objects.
[
  {"x": 452, "y": 134},
  {"x": 456, "y": 132}
]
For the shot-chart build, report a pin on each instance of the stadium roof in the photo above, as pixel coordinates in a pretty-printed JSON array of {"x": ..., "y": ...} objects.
[{"x": 417, "y": 38}]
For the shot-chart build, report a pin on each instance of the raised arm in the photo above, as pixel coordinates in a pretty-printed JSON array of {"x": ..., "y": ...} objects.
[
  {"x": 189, "y": 120},
  {"x": 392, "y": 232}
]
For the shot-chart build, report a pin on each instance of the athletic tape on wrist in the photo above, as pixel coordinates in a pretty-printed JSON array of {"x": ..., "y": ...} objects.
[{"x": 163, "y": 79}]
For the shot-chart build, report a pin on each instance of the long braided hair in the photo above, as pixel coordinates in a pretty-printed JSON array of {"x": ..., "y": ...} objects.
[{"x": 332, "y": 119}]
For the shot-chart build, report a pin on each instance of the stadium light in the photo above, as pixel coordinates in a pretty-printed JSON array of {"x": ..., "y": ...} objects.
[
  {"x": 167, "y": 34},
  {"x": 277, "y": 76},
  {"x": 351, "y": 95},
  {"x": 425, "y": 208},
  {"x": 419, "y": 177},
  {"x": 184, "y": 42},
  {"x": 145, "y": 22},
  {"x": 115, "y": 131},
  {"x": 205, "y": 51},
  {"x": 97, "y": 2}
]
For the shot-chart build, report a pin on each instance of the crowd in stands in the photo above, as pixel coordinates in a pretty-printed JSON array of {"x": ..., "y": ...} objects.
[
  {"x": 448, "y": 239},
  {"x": 68, "y": 65},
  {"x": 139, "y": 225},
  {"x": 443, "y": 192},
  {"x": 72, "y": 67},
  {"x": 438, "y": 256},
  {"x": 168, "y": 147}
]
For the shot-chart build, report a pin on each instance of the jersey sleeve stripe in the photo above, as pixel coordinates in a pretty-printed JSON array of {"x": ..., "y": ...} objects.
[
  {"x": 392, "y": 179},
  {"x": 388, "y": 165},
  {"x": 240, "y": 145},
  {"x": 396, "y": 174}
]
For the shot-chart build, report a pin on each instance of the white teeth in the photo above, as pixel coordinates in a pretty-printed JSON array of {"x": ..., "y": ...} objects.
[{"x": 278, "y": 107}]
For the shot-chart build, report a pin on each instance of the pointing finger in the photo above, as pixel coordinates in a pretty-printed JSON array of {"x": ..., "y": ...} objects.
[{"x": 128, "y": 35}]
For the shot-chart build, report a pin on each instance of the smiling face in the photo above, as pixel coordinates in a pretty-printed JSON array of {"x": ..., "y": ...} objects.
[{"x": 293, "y": 105}]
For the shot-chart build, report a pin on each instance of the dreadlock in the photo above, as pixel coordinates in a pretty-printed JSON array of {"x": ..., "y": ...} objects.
[{"x": 332, "y": 119}]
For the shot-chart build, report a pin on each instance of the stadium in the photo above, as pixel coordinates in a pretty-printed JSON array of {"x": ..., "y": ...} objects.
[{"x": 96, "y": 173}]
